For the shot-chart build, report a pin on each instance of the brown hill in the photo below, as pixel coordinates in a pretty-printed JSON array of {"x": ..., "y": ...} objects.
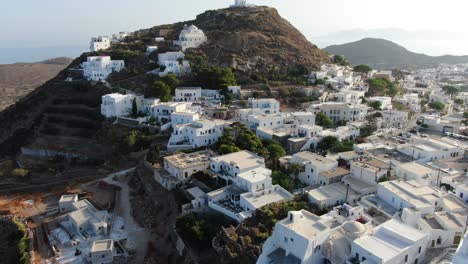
[
  {"x": 250, "y": 40},
  {"x": 19, "y": 79}
]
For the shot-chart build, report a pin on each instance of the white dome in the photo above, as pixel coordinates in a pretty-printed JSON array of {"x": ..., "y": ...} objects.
[{"x": 354, "y": 228}]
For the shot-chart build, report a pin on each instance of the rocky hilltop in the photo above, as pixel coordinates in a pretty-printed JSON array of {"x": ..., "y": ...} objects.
[
  {"x": 250, "y": 40},
  {"x": 384, "y": 54}
]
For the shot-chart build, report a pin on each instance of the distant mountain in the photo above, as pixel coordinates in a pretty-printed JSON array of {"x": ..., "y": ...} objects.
[
  {"x": 384, "y": 54},
  {"x": 19, "y": 79}
]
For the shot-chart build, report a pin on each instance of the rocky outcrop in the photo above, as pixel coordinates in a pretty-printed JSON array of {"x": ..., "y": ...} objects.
[{"x": 250, "y": 40}]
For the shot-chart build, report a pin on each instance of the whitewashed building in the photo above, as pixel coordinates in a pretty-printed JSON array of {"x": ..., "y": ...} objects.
[
  {"x": 341, "y": 111},
  {"x": 410, "y": 100},
  {"x": 120, "y": 105},
  {"x": 269, "y": 105},
  {"x": 100, "y": 43},
  {"x": 199, "y": 133},
  {"x": 394, "y": 118},
  {"x": 296, "y": 239},
  {"x": 188, "y": 94},
  {"x": 385, "y": 101},
  {"x": 429, "y": 149},
  {"x": 98, "y": 68},
  {"x": 190, "y": 37},
  {"x": 102, "y": 251},
  {"x": 182, "y": 166},
  {"x": 249, "y": 185},
  {"x": 349, "y": 96},
  {"x": 313, "y": 165},
  {"x": 173, "y": 62},
  {"x": 391, "y": 242}
]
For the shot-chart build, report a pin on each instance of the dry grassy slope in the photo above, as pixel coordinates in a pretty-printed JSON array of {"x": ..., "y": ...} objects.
[
  {"x": 251, "y": 40},
  {"x": 17, "y": 80}
]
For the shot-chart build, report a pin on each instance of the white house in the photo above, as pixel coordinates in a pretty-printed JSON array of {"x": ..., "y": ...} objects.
[
  {"x": 417, "y": 171},
  {"x": 313, "y": 165},
  {"x": 269, "y": 105},
  {"x": 98, "y": 68},
  {"x": 461, "y": 191},
  {"x": 241, "y": 3},
  {"x": 199, "y": 133},
  {"x": 350, "y": 131},
  {"x": 349, "y": 96},
  {"x": 100, "y": 43},
  {"x": 119, "y": 105},
  {"x": 296, "y": 239},
  {"x": 66, "y": 202},
  {"x": 173, "y": 62},
  {"x": 190, "y": 37},
  {"x": 86, "y": 219},
  {"x": 429, "y": 149},
  {"x": 391, "y": 242},
  {"x": 182, "y": 166},
  {"x": 266, "y": 121},
  {"x": 102, "y": 251},
  {"x": 341, "y": 111},
  {"x": 410, "y": 100},
  {"x": 188, "y": 94},
  {"x": 394, "y": 118},
  {"x": 168, "y": 108},
  {"x": 180, "y": 118},
  {"x": 461, "y": 255},
  {"x": 332, "y": 195},
  {"x": 249, "y": 185},
  {"x": 385, "y": 101}
]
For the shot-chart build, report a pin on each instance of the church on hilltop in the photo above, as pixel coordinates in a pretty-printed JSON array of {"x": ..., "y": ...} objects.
[{"x": 241, "y": 3}]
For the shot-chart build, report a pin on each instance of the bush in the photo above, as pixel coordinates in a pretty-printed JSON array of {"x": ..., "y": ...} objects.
[
  {"x": 436, "y": 105},
  {"x": 200, "y": 229},
  {"x": 362, "y": 68}
]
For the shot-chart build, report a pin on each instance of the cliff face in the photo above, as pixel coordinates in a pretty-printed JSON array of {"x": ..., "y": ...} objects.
[{"x": 251, "y": 40}]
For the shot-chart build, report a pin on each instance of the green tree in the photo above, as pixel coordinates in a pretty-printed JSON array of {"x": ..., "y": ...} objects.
[
  {"x": 451, "y": 90},
  {"x": 340, "y": 60},
  {"x": 276, "y": 151},
  {"x": 320, "y": 82},
  {"x": 171, "y": 80},
  {"x": 377, "y": 105},
  {"x": 362, "y": 68},
  {"x": 282, "y": 179},
  {"x": 134, "y": 107},
  {"x": 436, "y": 105},
  {"x": 160, "y": 90},
  {"x": 328, "y": 143},
  {"x": 381, "y": 87},
  {"x": 459, "y": 101},
  {"x": 227, "y": 149},
  {"x": 227, "y": 99},
  {"x": 322, "y": 120}
]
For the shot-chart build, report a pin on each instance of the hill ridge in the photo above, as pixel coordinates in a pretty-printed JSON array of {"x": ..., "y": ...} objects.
[{"x": 384, "y": 54}]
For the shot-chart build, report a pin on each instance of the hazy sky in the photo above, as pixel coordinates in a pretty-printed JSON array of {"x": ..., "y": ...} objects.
[{"x": 436, "y": 27}]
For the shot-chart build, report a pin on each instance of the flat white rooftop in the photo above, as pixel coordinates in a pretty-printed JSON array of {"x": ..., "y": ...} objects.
[
  {"x": 269, "y": 196},
  {"x": 256, "y": 175},
  {"x": 102, "y": 245},
  {"x": 242, "y": 159},
  {"x": 304, "y": 224}
]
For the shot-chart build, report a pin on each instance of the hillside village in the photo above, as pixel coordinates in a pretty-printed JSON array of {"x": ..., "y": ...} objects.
[{"x": 333, "y": 164}]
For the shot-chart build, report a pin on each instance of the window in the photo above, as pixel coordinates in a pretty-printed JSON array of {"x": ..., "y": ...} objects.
[
  {"x": 406, "y": 258},
  {"x": 419, "y": 250}
]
